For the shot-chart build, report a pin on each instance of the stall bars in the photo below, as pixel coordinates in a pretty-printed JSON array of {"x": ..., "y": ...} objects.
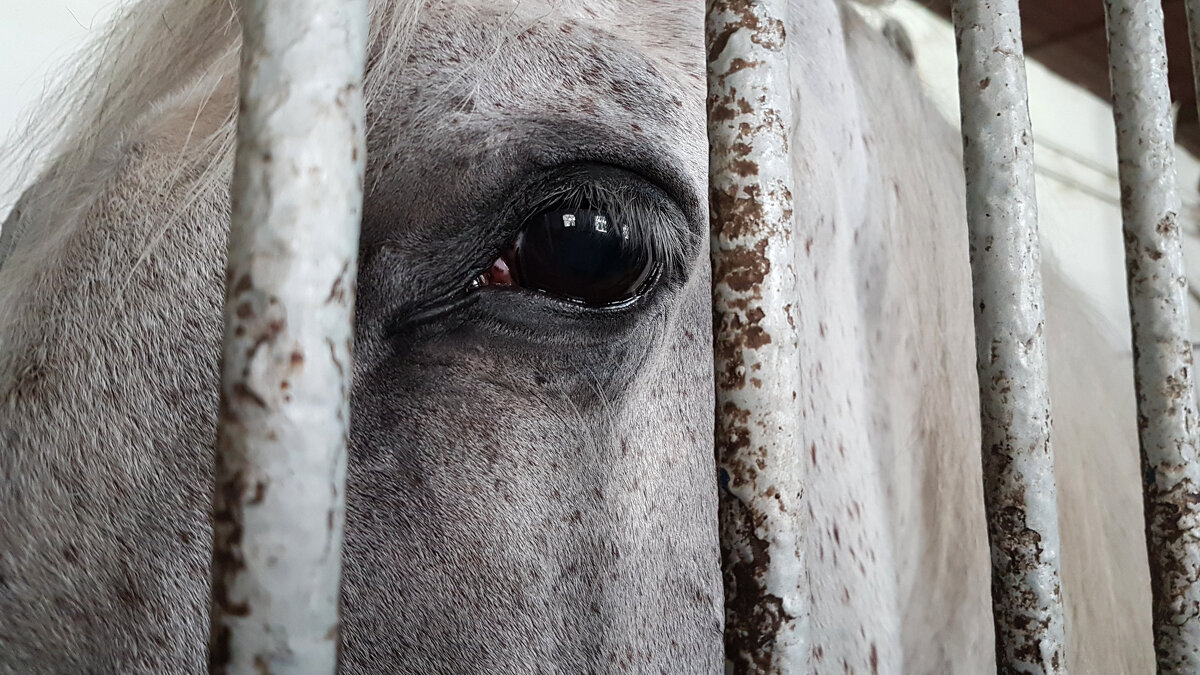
[
  {"x": 284, "y": 418},
  {"x": 1020, "y": 493},
  {"x": 282, "y": 431},
  {"x": 1011, "y": 362}
]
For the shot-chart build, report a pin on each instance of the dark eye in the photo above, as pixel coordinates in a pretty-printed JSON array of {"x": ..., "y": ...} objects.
[{"x": 580, "y": 254}]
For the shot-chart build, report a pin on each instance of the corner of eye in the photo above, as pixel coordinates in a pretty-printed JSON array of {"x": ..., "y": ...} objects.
[{"x": 498, "y": 274}]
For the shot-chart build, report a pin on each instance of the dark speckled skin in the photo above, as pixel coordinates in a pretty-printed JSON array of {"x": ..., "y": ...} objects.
[
  {"x": 543, "y": 535},
  {"x": 525, "y": 458}
]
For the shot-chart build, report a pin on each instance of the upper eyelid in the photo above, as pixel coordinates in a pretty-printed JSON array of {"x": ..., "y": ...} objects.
[{"x": 656, "y": 221}]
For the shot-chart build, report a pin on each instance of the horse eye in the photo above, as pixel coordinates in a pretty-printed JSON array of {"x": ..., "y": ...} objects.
[{"x": 582, "y": 254}]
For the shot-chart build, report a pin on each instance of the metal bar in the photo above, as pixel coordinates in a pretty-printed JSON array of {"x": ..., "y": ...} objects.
[
  {"x": 1014, "y": 394},
  {"x": 284, "y": 416},
  {"x": 756, "y": 344},
  {"x": 1158, "y": 309}
]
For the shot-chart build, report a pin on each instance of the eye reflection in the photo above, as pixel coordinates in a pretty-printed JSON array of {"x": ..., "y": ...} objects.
[{"x": 580, "y": 254}]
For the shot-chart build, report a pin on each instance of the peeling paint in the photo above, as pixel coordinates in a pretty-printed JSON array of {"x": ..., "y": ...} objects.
[
  {"x": 278, "y": 505},
  {"x": 1020, "y": 494},
  {"x": 754, "y": 284},
  {"x": 1158, "y": 312}
]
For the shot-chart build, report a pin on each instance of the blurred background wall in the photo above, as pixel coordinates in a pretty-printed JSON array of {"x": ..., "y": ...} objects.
[{"x": 1075, "y": 139}]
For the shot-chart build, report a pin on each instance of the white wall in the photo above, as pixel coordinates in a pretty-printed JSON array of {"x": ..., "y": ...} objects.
[
  {"x": 36, "y": 35},
  {"x": 1075, "y": 151}
]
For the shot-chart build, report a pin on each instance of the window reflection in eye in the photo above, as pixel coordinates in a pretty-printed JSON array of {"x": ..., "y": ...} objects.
[{"x": 579, "y": 254}]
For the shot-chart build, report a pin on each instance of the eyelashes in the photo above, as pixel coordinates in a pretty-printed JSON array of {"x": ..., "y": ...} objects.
[
  {"x": 593, "y": 235},
  {"x": 646, "y": 219},
  {"x": 578, "y": 252}
]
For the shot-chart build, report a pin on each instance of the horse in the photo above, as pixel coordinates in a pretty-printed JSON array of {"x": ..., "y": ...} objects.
[{"x": 531, "y": 482}]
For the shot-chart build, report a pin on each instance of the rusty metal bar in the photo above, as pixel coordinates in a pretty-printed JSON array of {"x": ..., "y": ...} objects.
[
  {"x": 1014, "y": 393},
  {"x": 756, "y": 345},
  {"x": 1158, "y": 309},
  {"x": 284, "y": 416}
]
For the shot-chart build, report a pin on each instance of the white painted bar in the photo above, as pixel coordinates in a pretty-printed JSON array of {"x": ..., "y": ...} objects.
[
  {"x": 1018, "y": 460},
  {"x": 284, "y": 417},
  {"x": 1167, "y": 422},
  {"x": 757, "y": 361}
]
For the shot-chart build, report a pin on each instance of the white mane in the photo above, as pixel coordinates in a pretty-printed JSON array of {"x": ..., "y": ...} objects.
[{"x": 146, "y": 58}]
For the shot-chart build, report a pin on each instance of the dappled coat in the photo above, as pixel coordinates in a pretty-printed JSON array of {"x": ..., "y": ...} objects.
[{"x": 531, "y": 482}]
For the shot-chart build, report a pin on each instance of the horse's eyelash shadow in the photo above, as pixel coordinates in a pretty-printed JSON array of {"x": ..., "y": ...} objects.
[{"x": 654, "y": 223}]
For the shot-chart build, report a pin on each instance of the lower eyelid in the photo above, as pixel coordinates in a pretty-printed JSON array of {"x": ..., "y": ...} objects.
[{"x": 530, "y": 315}]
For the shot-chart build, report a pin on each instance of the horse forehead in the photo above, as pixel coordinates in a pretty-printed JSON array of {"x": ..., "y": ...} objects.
[
  {"x": 663, "y": 26},
  {"x": 666, "y": 30},
  {"x": 489, "y": 40},
  {"x": 494, "y": 90}
]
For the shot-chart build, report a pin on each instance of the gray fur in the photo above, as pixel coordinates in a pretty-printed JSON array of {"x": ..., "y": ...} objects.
[{"x": 530, "y": 489}]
